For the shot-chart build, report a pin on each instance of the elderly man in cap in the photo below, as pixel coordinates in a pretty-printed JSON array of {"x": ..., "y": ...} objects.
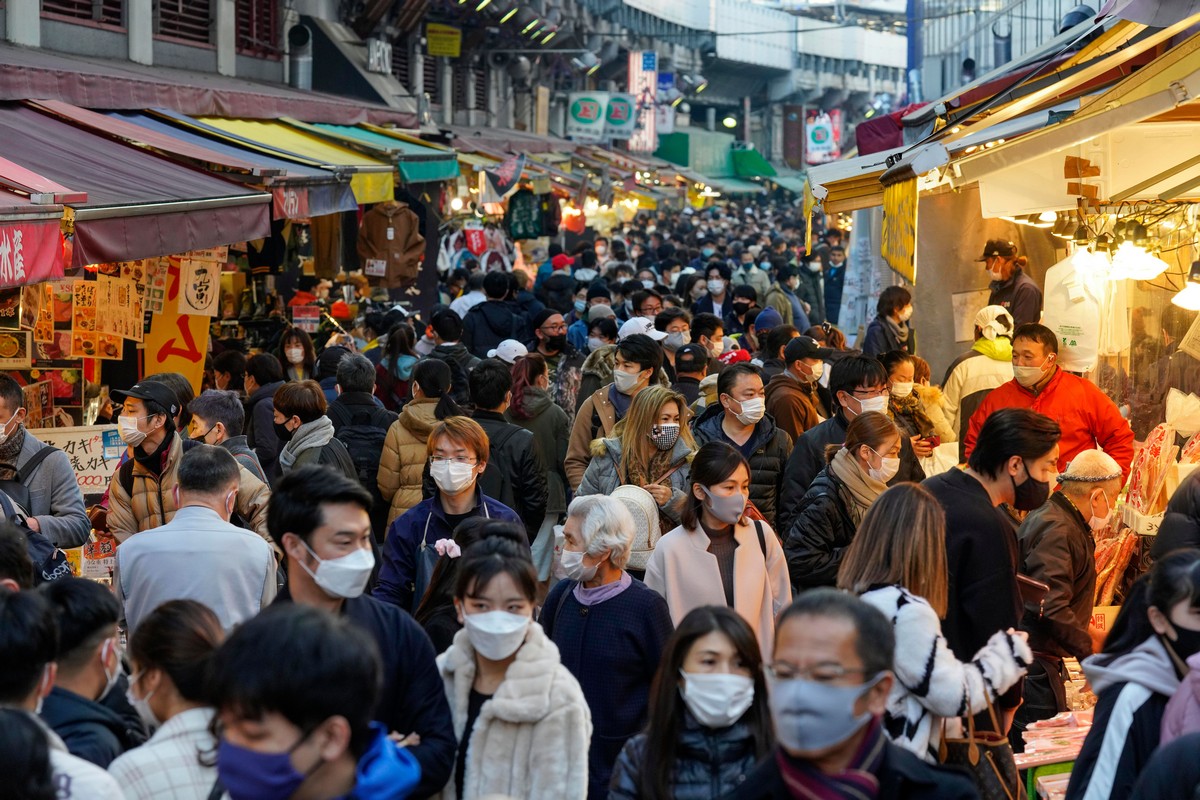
[
  {"x": 795, "y": 398},
  {"x": 142, "y": 493},
  {"x": 1011, "y": 288},
  {"x": 973, "y": 375},
  {"x": 1058, "y": 548}
]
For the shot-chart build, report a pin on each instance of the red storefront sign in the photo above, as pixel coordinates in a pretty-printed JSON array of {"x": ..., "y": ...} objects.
[{"x": 30, "y": 252}]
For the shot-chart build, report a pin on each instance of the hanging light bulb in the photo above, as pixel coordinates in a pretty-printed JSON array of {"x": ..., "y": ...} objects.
[
  {"x": 1134, "y": 263},
  {"x": 1189, "y": 296}
]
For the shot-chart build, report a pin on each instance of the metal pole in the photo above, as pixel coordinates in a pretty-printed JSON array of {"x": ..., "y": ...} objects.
[{"x": 915, "y": 22}]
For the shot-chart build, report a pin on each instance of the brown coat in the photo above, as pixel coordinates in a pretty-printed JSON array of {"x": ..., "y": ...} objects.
[
  {"x": 402, "y": 464},
  {"x": 402, "y": 251},
  {"x": 789, "y": 406},
  {"x": 583, "y": 432},
  {"x": 153, "y": 500}
]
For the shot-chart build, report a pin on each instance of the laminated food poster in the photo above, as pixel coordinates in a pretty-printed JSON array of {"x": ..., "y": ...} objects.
[{"x": 86, "y": 340}]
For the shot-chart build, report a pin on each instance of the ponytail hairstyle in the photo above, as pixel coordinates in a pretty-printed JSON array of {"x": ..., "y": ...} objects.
[
  {"x": 1020, "y": 261},
  {"x": 525, "y": 372},
  {"x": 179, "y": 638},
  {"x": 433, "y": 376},
  {"x": 871, "y": 429}
]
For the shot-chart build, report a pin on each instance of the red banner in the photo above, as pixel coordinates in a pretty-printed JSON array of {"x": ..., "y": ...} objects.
[
  {"x": 476, "y": 241},
  {"x": 290, "y": 202},
  {"x": 30, "y": 252}
]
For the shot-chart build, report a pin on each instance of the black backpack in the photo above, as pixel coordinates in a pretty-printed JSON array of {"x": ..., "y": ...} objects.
[
  {"x": 363, "y": 431},
  {"x": 49, "y": 563}
]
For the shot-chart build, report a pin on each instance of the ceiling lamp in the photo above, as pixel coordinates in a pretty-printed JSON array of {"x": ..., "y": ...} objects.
[
  {"x": 527, "y": 21},
  {"x": 730, "y": 122},
  {"x": 1038, "y": 220},
  {"x": 510, "y": 13},
  {"x": 1081, "y": 235},
  {"x": 1134, "y": 263},
  {"x": 1189, "y": 296},
  {"x": 587, "y": 62},
  {"x": 695, "y": 83},
  {"x": 482, "y": 4}
]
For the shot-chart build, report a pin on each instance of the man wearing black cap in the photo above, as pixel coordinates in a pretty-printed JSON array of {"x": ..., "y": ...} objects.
[
  {"x": 794, "y": 397},
  {"x": 1011, "y": 287},
  {"x": 142, "y": 493},
  {"x": 691, "y": 367},
  {"x": 564, "y": 364}
]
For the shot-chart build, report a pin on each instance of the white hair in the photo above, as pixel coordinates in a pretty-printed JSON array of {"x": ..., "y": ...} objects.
[{"x": 605, "y": 525}]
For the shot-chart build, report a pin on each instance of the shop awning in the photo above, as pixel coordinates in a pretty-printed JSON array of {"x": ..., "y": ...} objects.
[
  {"x": 31, "y": 242},
  {"x": 139, "y": 204},
  {"x": 298, "y": 191},
  {"x": 506, "y": 141},
  {"x": 749, "y": 163},
  {"x": 370, "y": 179},
  {"x": 734, "y": 186},
  {"x": 792, "y": 180},
  {"x": 416, "y": 163}
]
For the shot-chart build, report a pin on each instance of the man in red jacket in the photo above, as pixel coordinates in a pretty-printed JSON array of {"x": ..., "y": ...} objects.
[{"x": 1089, "y": 419}]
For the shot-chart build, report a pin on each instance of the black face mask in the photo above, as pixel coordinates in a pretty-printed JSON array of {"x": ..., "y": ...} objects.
[
  {"x": 556, "y": 342},
  {"x": 741, "y": 308},
  {"x": 282, "y": 433},
  {"x": 1186, "y": 644},
  {"x": 1031, "y": 494}
]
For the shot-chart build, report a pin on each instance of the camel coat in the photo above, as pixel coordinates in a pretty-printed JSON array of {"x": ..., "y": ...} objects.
[
  {"x": 531, "y": 738},
  {"x": 402, "y": 463}
]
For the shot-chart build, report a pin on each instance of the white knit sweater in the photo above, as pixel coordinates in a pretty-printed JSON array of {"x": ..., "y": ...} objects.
[{"x": 931, "y": 684}]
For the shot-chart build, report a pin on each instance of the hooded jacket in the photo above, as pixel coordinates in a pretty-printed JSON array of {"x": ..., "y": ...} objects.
[
  {"x": 531, "y": 737},
  {"x": 402, "y": 463},
  {"x": 971, "y": 378},
  {"x": 603, "y": 474},
  {"x": 491, "y": 322},
  {"x": 390, "y": 232},
  {"x": 709, "y": 762},
  {"x": 1133, "y": 689},
  {"x": 90, "y": 730},
  {"x": 767, "y": 450},
  {"x": 790, "y": 404},
  {"x": 551, "y": 429},
  {"x": 457, "y": 352}
]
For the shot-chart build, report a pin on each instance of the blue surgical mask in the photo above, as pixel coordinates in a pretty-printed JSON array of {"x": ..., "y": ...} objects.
[
  {"x": 580, "y": 306},
  {"x": 249, "y": 775},
  {"x": 707, "y": 252}
]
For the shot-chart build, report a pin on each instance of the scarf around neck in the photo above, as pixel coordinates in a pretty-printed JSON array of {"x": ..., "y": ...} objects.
[
  {"x": 899, "y": 330},
  {"x": 912, "y": 409},
  {"x": 596, "y": 596},
  {"x": 862, "y": 487},
  {"x": 858, "y": 781},
  {"x": 10, "y": 451},
  {"x": 311, "y": 434}
]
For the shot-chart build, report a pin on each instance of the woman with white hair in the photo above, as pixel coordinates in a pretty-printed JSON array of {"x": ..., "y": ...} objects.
[
  {"x": 1058, "y": 548},
  {"x": 609, "y": 627}
]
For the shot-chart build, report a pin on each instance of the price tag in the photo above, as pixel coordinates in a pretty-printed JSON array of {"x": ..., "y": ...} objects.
[
  {"x": 376, "y": 267},
  {"x": 391, "y": 234}
]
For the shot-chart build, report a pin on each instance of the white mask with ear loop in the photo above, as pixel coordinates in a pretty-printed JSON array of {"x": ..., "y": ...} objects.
[{"x": 1098, "y": 524}]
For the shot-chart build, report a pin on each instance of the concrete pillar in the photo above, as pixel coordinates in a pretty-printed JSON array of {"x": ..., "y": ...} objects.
[
  {"x": 225, "y": 17},
  {"x": 23, "y": 22},
  {"x": 139, "y": 22},
  {"x": 446, "y": 81}
]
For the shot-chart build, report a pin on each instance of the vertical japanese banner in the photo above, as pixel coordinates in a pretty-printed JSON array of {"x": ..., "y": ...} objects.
[
  {"x": 899, "y": 240},
  {"x": 643, "y": 85},
  {"x": 176, "y": 342}
]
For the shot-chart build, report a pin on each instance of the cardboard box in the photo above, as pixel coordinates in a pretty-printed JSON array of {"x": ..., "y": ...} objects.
[
  {"x": 1103, "y": 617},
  {"x": 1142, "y": 524}
]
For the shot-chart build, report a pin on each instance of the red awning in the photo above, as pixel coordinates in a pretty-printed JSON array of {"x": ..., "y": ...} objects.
[
  {"x": 31, "y": 242},
  {"x": 102, "y": 84},
  {"x": 139, "y": 205}
]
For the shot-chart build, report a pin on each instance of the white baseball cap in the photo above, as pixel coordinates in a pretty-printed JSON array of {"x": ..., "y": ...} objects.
[
  {"x": 509, "y": 351},
  {"x": 640, "y": 325}
]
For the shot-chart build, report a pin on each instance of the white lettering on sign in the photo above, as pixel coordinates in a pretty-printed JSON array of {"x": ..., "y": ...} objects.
[{"x": 379, "y": 56}]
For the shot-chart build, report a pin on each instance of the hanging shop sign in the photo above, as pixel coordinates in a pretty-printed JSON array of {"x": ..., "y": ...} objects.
[
  {"x": 176, "y": 342},
  {"x": 643, "y": 85},
  {"x": 504, "y": 178},
  {"x": 665, "y": 110},
  {"x": 586, "y": 116},
  {"x": 620, "y": 119},
  {"x": 899, "y": 240},
  {"x": 290, "y": 202},
  {"x": 823, "y": 136},
  {"x": 30, "y": 252},
  {"x": 306, "y": 318},
  {"x": 443, "y": 40}
]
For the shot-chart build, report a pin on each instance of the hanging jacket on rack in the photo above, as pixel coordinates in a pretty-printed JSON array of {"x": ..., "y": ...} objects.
[{"x": 391, "y": 232}]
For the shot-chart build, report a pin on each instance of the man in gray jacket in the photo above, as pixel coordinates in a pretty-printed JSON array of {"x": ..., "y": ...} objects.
[{"x": 55, "y": 501}]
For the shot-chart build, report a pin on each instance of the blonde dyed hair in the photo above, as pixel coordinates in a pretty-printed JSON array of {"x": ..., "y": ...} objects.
[
  {"x": 634, "y": 429},
  {"x": 901, "y": 541}
]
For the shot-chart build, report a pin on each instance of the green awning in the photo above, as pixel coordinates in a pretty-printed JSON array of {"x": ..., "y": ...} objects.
[
  {"x": 734, "y": 186},
  {"x": 749, "y": 163},
  {"x": 416, "y": 163},
  {"x": 792, "y": 180}
]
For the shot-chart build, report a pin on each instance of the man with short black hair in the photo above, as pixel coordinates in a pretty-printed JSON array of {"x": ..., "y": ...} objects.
[
  {"x": 691, "y": 367},
  {"x": 1091, "y": 420},
  {"x": 361, "y": 424},
  {"x": 716, "y": 300},
  {"x": 795, "y": 398},
  {"x": 446, "y": 328},
  {"x": 55, "y": 502},
  {"x": 89, "y": 667},
  {"x": 217, "y": 418},
  {"x": 494, "y": 320},
  {"x": 515, "y": 474},
  {"x": 28, "y": 648},
  {"x": 564, "y": 364},
  {"x": 198, "y": 555},
  {"x": 320, "y": 518},
  {"x": 16, "y": 568},
  {"x": 299, "y": 684},
  {"x": 857, "y": 384},
  {"x": 264, "y": 376},
  {"x": 741, "y": 420}
]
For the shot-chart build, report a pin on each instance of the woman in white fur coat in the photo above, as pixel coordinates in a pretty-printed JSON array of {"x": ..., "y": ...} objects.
[
  {"x": 520, "y": 717},
  {"x": 897, "y": 563}
]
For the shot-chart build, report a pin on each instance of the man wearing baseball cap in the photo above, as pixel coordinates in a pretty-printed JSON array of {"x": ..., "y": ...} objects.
[
  {"x": 1011, "y": 288},
  {"x": 794, "y": 397},
  {"x": 142, "y": 494},
  {"x": 973, "y": 375}
]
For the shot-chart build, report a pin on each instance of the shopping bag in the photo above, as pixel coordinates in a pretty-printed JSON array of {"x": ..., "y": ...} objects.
[{"x": 987, "y": 757}]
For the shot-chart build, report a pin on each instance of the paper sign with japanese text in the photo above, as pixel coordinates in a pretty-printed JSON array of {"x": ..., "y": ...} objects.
[
  {"x": 199, "y": 287},
  {"x": 93, "y": 451},
  {"x": 177, "y": 343}
]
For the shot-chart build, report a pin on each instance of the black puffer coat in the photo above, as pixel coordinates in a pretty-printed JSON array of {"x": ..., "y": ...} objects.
[
  {"x": 709, "y": 763},
  {"x": 821, "y": 533},
  {"x": 769, "y": 448}
]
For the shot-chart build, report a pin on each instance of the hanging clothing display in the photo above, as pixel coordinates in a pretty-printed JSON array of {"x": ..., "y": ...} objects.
[
  {"x": 1078, "y": 292},
  {"x": 327, "y": 244},
  {"x": 524, "y": 220},
  {"x": 390, "y": 233}
]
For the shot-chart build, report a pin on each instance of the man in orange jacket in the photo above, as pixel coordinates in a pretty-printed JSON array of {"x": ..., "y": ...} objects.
[{"x": 1089, "y": 419}]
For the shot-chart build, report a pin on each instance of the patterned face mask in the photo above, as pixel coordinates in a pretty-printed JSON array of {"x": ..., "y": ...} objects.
[{"x": 665, "y": 436}]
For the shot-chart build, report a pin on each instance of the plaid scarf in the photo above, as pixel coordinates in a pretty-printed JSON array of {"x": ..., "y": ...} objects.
[{"x": 857, "y": 782}]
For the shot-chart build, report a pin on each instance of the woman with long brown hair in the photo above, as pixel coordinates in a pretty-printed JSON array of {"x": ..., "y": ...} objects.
[
  {"x": 709, "y": 721},
  {"x": 897, "y": 563},
  {"x": 856, "y": 473}
]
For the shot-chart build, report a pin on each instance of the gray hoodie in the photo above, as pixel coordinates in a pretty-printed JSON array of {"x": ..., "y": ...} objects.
[{"x": 1149, "y": 665}]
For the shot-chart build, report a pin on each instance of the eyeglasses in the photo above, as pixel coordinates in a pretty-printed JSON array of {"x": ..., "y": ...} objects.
[
  {"x": 558, "y": 328},
  {"x": 651, "y": 309},
  {"x": 825, "y": 672},
  {"x": 868, "y": 393},
  {"x": 433, "y": 460}
]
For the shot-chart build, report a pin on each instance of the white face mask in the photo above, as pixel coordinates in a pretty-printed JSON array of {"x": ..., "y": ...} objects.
[
  {"x": 902, "y": 389},
  {"x": 5, "y": 432},
  {"x": 342, "y": 577},
  {"x": 718, "y": 699},
  {"x": 996, "y": 274},
  {"x": 716, "y": 347},
  {"x": 110, "y": 678},
  {"x": 142, "y": 705},
  {"x": 1032, "y": 376},
  {"x": 677, "y": 339},
  {"x": 625, "y": 381},
  {"x": 878, "y": 404},
  {"x": 887, "y": 468},
  {"x": 572, "y": 564},
  {"x": 452, "y": 477},
  {"x": 128, "y": 427},
  {"x": 647, "y": 284},
  {"x": 716, "y": 286},
  {"x": 753, "y": 410},
  {"x": 814, "y": 266},
  {"x": 815, "y": 371},
  {"x": 906, "y": 313},
  {"x": 595, "y": 343},
  {"x": 295, "y": 355},
  {"x": 496, "y": 635},
  {"x": 1098, "y": 524}
]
